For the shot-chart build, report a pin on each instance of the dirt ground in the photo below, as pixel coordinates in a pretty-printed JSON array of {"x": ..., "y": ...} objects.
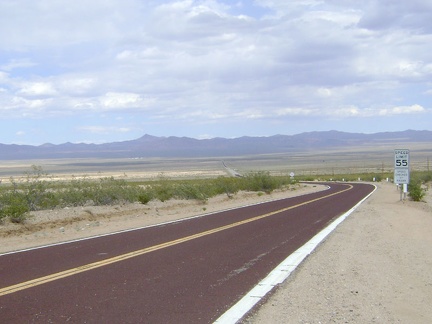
[{"x": 374, "y": 268}]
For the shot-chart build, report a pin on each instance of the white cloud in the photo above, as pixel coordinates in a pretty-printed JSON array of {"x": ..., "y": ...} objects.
[
  {"x": 296, "y": 112},
  {"x": 402, "y": 110},
  {"x": 20, "y": 107},
  {"x": 30, "y": 104},
  {"x": 104, "y": 129},
  {"x": 215, "y": 61},
  {"x": 119, "y": 100},
  {"x": 351, "y": 111},
  {"x": 37, "y": 89}
]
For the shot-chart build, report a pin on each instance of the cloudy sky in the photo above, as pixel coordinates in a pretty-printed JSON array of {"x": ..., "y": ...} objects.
[{"x": 112, "y": 70}]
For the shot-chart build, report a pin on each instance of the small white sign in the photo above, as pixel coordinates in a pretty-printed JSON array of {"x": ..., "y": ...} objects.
[
  {"x": 292, "y": 174},
  {"x": 401, "y": 176}
]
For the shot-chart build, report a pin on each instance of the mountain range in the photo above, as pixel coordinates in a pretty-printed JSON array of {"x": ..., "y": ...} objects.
[{"x": 171, "y": 147}]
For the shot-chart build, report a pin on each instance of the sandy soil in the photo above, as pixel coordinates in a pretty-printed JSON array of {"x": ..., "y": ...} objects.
[{"x": 374, "y": 268}]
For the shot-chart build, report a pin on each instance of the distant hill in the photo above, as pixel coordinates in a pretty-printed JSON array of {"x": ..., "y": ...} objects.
[{"x": 152, "y": 146}]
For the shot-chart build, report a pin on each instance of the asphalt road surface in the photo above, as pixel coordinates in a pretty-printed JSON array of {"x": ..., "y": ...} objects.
[{"x": 184, "y": 272}]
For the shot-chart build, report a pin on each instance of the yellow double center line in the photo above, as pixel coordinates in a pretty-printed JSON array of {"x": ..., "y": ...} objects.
[{"x": 122, "y": 257}]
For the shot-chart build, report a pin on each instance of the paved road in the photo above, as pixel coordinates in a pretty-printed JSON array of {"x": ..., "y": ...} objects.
[
  {"x": 230, "y": 171},
  {"x": 185, "y": 272}
]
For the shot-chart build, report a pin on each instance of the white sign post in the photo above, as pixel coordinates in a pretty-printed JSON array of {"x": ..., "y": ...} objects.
[{"x": 402, "y": 169}]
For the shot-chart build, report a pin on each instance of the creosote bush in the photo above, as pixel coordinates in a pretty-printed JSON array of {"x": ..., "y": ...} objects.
[
  {"x": 35, "y": 192},
  {"x": 415, "y": 190},
  {"x": 14, "y": 206}
]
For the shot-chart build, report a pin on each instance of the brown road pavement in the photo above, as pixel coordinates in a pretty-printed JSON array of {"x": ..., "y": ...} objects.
[{"x": 190, "y": 271}]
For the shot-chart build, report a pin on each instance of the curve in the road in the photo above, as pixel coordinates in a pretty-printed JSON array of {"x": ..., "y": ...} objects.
[
  {"x": 196, "y": 270},
  {"x": 122, "y": 257}
]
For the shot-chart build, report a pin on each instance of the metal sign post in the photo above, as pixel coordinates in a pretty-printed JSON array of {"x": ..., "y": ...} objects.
[{"x": 402, "y": 170}]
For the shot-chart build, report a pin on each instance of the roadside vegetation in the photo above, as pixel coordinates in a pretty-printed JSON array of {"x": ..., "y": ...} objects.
[
  {"x": 419, "y": 184},
  {"x": 37, "y": 191}
]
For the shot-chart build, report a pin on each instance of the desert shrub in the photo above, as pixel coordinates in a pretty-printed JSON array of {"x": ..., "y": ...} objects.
[
  {"x": 226, "y": 185},
  {"x": 49, "y": 200},
  {"x": 190, "y": 191},
  {"x": 77, "y": 192},
  {"x": 162, "y": 192},
  {"x": 110, "y": 191},
  {"x": 25, "y": 195},
  {"x": 105, "y": 191},
  {"x": 13, "y": 205},
  {"x": 308, "y": 178},
  {"x": 34, "y": 190},
  {"x": 144, "y": 197},
  {"x": 260, "y": 181},
  {"x": 162, "y": 189},
  {"x": 415, "y": 190}
]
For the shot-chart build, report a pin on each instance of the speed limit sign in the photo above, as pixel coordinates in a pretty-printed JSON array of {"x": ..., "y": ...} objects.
[{"x": 401, "y": 166}]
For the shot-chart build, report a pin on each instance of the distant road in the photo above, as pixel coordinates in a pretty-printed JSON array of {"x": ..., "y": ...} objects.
[
  {"x": 232, "y": 172},
  {"x": 185, "y": 272}
]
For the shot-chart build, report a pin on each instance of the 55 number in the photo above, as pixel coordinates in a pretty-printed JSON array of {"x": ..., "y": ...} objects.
[{"x": 401, "y": 163}]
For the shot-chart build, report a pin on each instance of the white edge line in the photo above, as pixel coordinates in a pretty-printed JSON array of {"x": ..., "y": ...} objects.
[
  {"x": 148, "y": 226},
  {"x": 281, "y": 272}
]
